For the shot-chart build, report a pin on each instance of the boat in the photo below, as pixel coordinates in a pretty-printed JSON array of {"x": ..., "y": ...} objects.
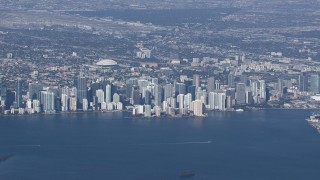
[
  {"x": 186, "y": 174},
  {"x": 239, "y": 110}
]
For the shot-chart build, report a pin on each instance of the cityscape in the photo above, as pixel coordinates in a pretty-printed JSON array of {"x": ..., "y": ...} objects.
[
  {"x": 147, "y": 89},
  {"x": 152, "y": 89}
]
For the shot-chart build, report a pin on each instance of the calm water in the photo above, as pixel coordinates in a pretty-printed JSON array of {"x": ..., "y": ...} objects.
[{"x": 273, "y": 144}]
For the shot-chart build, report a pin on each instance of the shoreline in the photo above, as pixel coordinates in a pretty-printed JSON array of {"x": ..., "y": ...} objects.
[{"x": 162, "y": 116}]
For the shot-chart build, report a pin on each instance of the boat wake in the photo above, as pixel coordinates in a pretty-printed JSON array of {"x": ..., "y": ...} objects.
[{"x": 183, "y": 143}]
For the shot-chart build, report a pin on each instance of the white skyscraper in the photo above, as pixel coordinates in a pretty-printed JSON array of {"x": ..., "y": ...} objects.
[
  {"x": 222, "y": 101},
  {"x": 187, "y": 100},
  {"x": 64, "y": 102},
  {"x": 47, "y": 101},
  {"x": 108, "y": 93},
  {"x": 262, "y": 90},
  {"x": 100, "y": 95},
  {"x": 180, "y": 100},
  {"x": 212, "y": 100}
]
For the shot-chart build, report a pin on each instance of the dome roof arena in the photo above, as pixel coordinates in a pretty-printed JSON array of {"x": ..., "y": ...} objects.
[{"x": 106, "y": 62}]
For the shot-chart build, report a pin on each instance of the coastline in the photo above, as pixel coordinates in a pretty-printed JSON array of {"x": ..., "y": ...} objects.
[{"x": 158, "y": 117}]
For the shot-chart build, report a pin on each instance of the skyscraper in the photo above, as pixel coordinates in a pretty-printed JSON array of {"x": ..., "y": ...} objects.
[
  {"x": 18, "y": 98},
  {"x": 82, "y": 89},
  {"x": 303, "y": 82},
  {"x": 262, "y": 90},
  {"x": 180, "y": 89},
  {"x": 230, "y": 80},
  {"x": 34, "y": 90},
  {"x": 196, "y": 80},
  {"x": 108, "y": 93},
  {"x": 280, "y": 86},
  {"x": 211, "y": 100},
  {"x": 158, "y": 95},
  {"x": 100, "y": 96},
  {"x": 198, "y": 108},
  {"x": 168, "y": 91},
  {"x": 314, "y": 83},
  {"x": 47, "y": 101},
  {"x": 210, "y": 84},
  {"x": 241, "y": 93}
]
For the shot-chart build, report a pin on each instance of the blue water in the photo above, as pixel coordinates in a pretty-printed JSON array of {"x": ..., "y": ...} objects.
[{"x": 261, "y": 145}]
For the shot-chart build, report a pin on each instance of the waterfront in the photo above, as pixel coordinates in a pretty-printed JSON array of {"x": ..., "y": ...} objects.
[{"x": 266, "y": 144}]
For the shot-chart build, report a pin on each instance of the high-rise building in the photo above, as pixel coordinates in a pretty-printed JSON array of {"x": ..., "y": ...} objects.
[
  {"x": 280, "y": 86},
  {"x": 100, "y": 96},
  {"x": 241, "y": 93},
  {"x": 303, "y": 82},
  {"x": 210, "y": 84},
  {"x": 147, "y": 112},
  {"x": 155, "y": 81},
  {"x": 64, "y": 102},
  {"x": 230, "y": 80},
  {"x": 192, "y": 91},
  {"x": 18, "y": 98},
  {"x": 262, "y": 90},
  {"x": 116, "y": 98},
  {"x": 147, "y": 97},
  {"x": 108, "y": 93},
  {"x": 82, "y": 89},
  {"x": 47, "y": 101},
  {"x": 158, "y": 95},
  {"x": 211, "y": 100},
  {"x": 85, "y": 105},
  {"x": 244, "y": 79},
  {"x": 196, "y": 80},
  {"x": 168, "y": 91},
  {"x": 180, "y": 89},
  {"x": 136, "y": 96},
  {"x": 34, "y": 90},
  {"x": 187, "y": 101},
  {"x": 222, "y": 101},
  {"x": 198, "y": 108},
  {"x": 180, "y": 101},
  {"x": 314, "y": 83}
]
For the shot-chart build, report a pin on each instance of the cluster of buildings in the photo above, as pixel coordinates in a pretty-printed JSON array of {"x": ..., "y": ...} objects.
[
  {"x": 192, "y": 96},
  {"x": 39, "y": 99}
]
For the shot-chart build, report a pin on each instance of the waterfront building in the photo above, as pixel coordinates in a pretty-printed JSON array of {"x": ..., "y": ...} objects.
[
  {"x": 73, "y": 103},
  {"x": 85, "y": 105},
  {"x": 116, "y": 98},
  {"x": 147, "y": 111},
  {"x": 82, "y": 89},
  {"x": 198, "y": 108},
  {"x": 47, "y": 101},
  {"x": 64, "y": 102}
]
